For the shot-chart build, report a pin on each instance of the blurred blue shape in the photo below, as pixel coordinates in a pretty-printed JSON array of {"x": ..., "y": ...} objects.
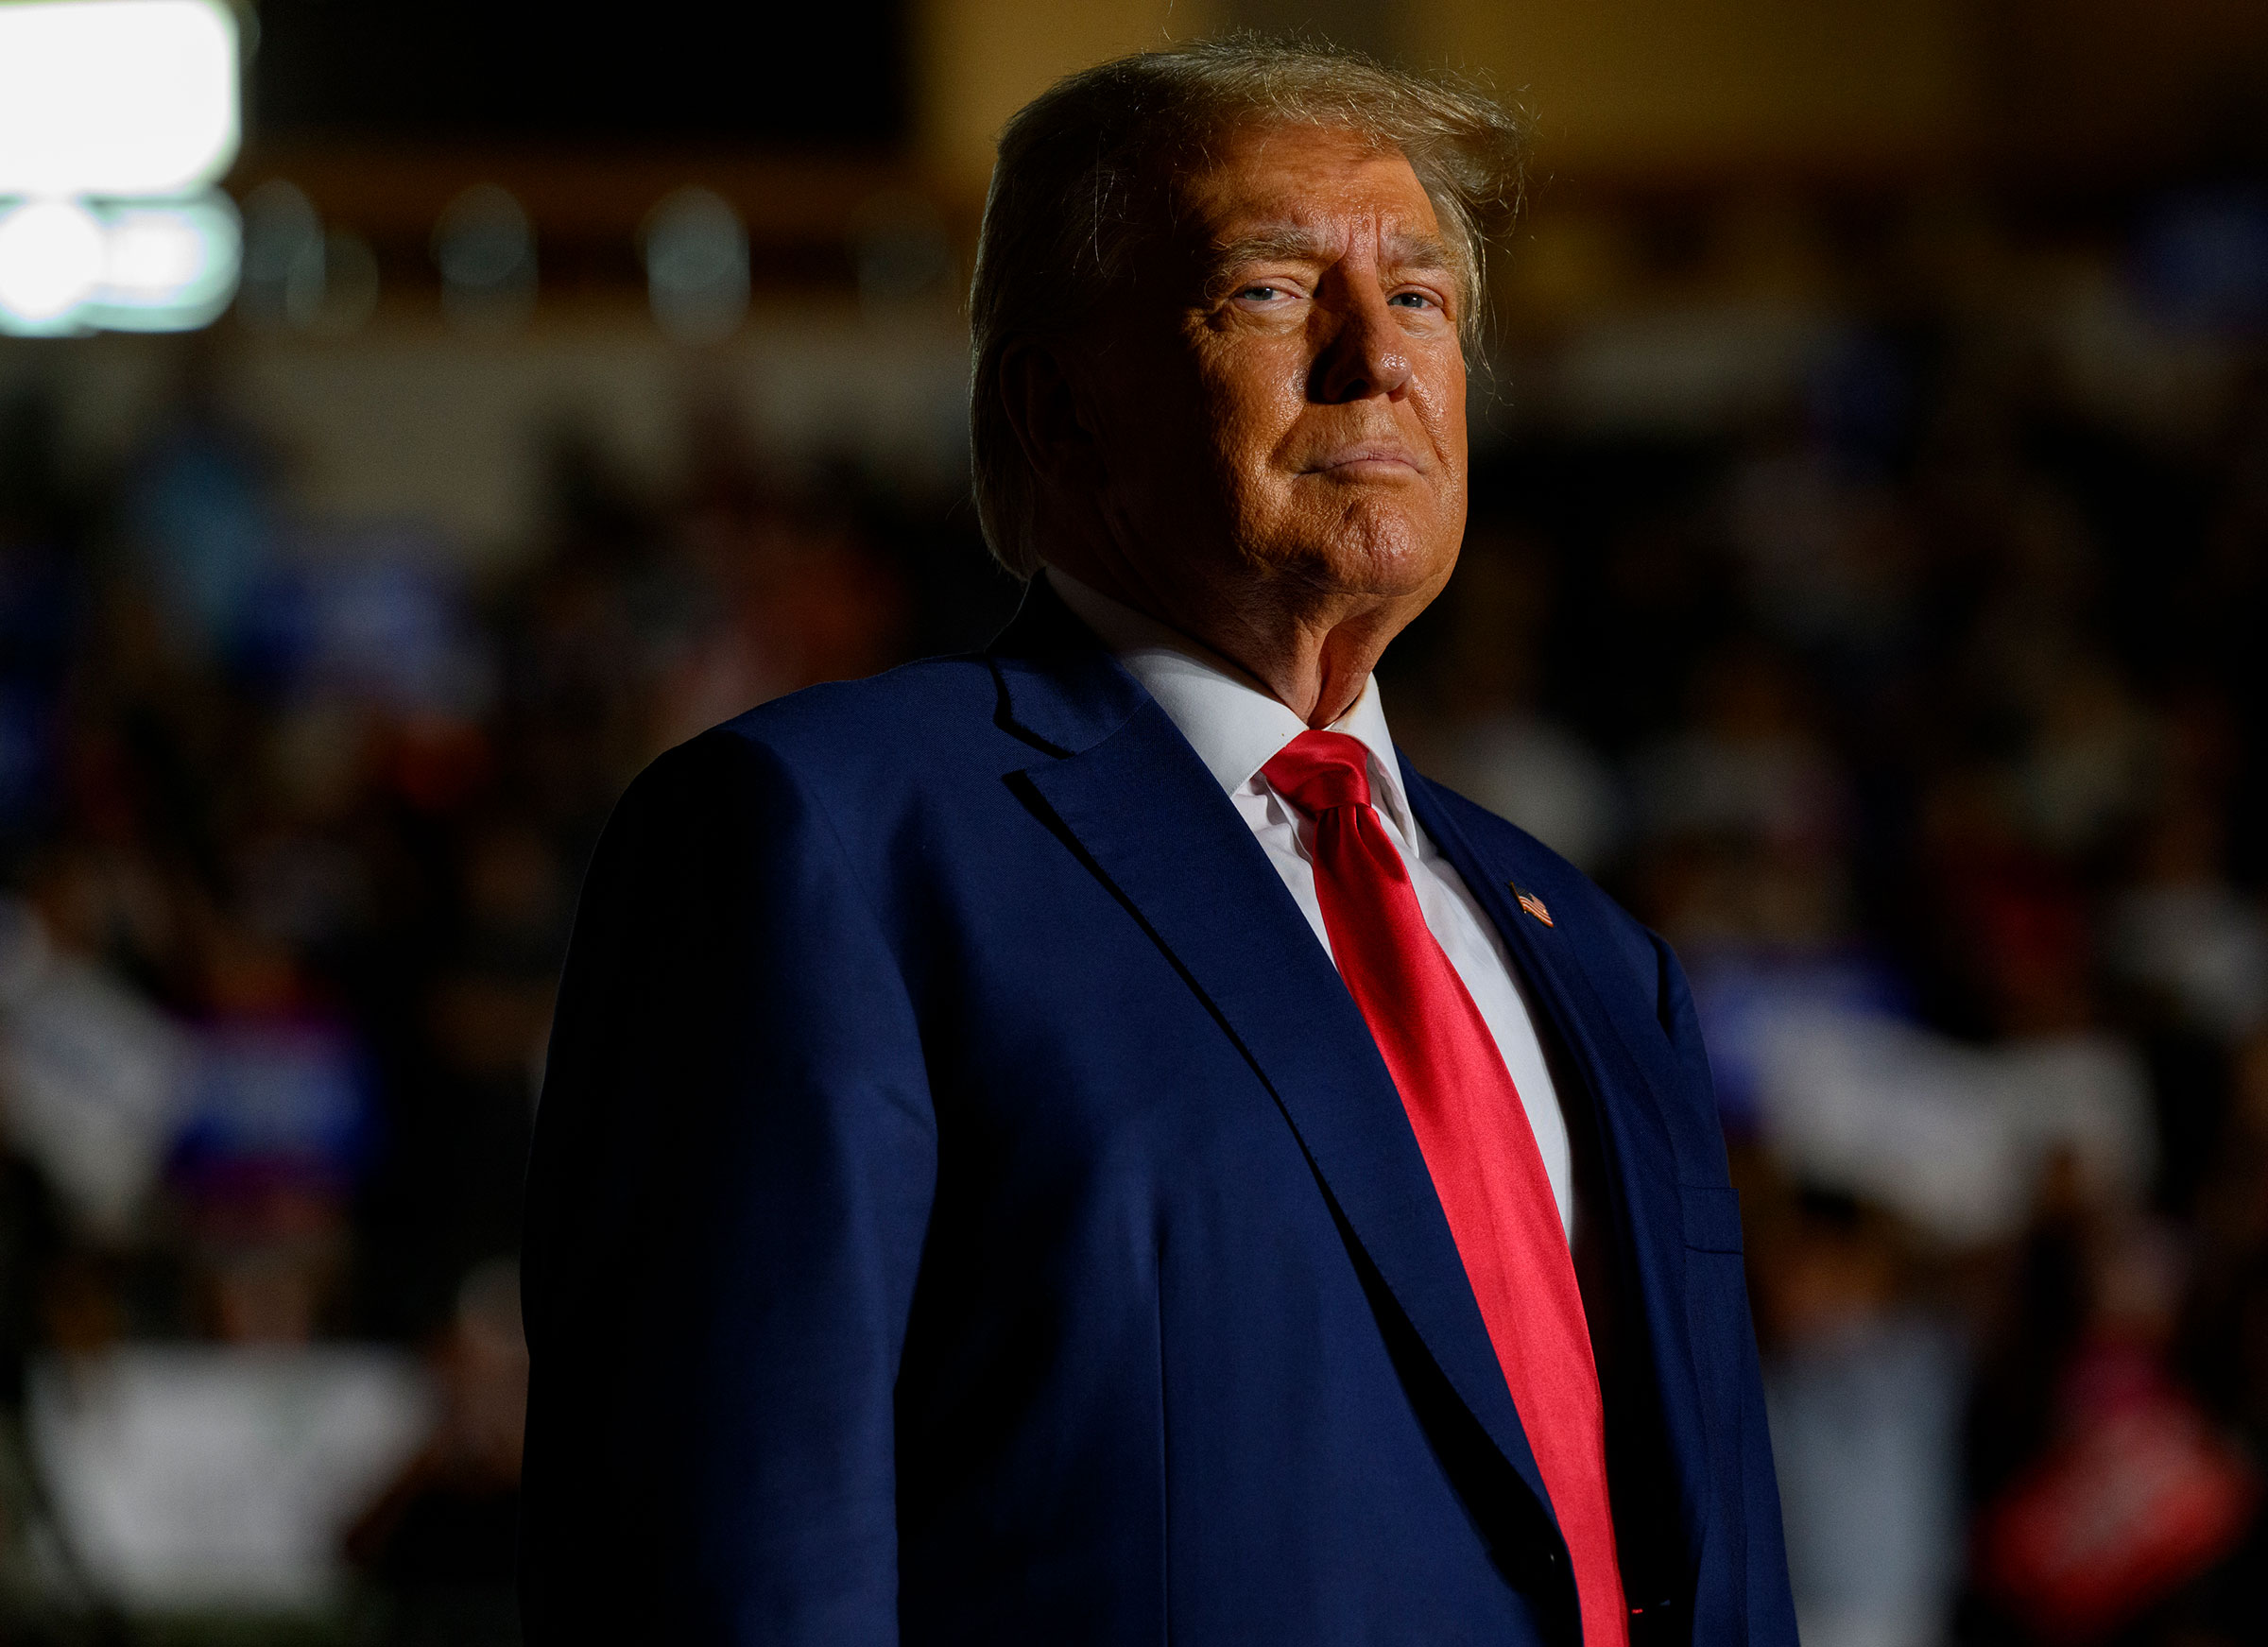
[
  {"x": 379, "y": 620},
  {"x": 2201, "y": 259},
  {"x": 202, "y": 517},
  {"x": 1740, "y": 992},
  {"x": 26, "y": 754},
  {"x": 39, "y": 618},
  {"x": 273, "y": 1101},
  {"x": 392, "y": 628},
  {"x": 1859, "y": 400}
]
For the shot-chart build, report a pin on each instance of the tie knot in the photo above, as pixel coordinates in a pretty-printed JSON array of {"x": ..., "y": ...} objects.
[{"x": 1316, "y": 771}]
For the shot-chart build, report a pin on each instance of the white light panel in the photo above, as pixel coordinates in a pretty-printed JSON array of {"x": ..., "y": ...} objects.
[{"x": 116, "y": 97}]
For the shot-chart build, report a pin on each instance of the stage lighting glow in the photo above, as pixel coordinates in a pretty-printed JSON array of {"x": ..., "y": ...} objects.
[
  {"x": 154, "y": 252},
  {"x": 116, "y": 97},
  {"x": 52, "y": 254},
  {"x": 167, "y": 267},
  {"x": 155, "y": 266}
]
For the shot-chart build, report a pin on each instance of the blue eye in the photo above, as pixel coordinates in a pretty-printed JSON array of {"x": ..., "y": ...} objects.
[
  {"x": 1411, "y": 299},
  {"x": 1261, "y": 293}
]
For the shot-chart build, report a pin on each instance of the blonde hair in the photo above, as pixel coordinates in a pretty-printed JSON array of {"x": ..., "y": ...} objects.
[{"x": 1084, "y": 171}]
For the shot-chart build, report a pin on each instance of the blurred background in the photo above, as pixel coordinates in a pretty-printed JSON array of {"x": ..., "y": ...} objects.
[{"x": 413, "y": 418}]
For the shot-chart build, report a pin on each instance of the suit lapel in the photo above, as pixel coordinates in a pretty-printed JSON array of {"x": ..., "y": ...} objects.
[
  {"x": 1137, "y": 803},
  {"x": 1628, "y": 1089}
]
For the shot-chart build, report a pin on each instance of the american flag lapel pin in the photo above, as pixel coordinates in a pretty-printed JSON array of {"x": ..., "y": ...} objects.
[{"x": 1531, "y": 903}]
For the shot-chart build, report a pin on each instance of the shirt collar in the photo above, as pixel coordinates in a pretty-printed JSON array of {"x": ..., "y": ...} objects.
[{"x": 1235, "y": 725}]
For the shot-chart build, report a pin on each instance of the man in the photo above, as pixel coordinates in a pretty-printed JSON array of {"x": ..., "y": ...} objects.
[{"x": 1078, "y": 1143}]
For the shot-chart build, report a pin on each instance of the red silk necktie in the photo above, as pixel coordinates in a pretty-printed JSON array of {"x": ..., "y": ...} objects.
[{"x": 1473, "y": 1132}]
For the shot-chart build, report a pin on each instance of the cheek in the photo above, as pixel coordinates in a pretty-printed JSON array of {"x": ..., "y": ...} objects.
[
  {"x": 1443, "y": 407},
  {"x": 1253, "y": 397},
  {"x": 1260, "y": 432}
]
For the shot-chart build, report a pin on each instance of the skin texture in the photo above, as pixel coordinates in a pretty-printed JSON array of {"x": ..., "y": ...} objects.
[{"x": 1262, "y": 442}]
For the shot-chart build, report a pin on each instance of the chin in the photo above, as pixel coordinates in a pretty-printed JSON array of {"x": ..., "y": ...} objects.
[{"x": 1372, "y": 550}]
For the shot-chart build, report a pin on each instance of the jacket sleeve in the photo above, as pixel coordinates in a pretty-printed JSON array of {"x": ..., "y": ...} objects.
[
  {"x": 1770, "y": 1607},
  {"x": 732, "y": 1171}
]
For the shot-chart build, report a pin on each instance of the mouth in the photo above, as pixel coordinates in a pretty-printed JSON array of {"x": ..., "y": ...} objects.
[{"x": 1370, "y": 461}]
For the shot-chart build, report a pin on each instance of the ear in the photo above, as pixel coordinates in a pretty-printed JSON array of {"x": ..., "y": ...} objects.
[{"x": 1050, "y": 412}]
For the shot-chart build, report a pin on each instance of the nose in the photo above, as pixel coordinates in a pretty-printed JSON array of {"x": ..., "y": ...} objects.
[{"x": 1367, "y": 357}]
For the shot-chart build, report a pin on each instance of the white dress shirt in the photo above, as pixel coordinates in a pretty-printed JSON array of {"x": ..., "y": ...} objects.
[{"x": 1236, "y": 727}]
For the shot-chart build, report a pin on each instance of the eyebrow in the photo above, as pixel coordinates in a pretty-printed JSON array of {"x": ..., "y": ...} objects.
[{"x": 1295, "y": 243}]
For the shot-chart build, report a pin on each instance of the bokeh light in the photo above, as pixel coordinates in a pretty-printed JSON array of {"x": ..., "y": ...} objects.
[
  {"x": 696, "y": 265},
  {"x": 52, "y": 257},
  {"x": 484, "y": 247}
]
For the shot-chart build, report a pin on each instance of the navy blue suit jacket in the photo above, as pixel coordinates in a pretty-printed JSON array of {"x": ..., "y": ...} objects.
[{"x": 967, "y": 1206}]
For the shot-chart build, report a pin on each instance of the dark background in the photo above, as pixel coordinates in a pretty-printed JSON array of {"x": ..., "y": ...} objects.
[{"x": 797, "y": 77}]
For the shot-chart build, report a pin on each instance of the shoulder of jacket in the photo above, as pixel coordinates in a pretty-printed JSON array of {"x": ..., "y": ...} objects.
[
  {"x": 906, "y": 704},
  {"x": 836, "y": 743}
]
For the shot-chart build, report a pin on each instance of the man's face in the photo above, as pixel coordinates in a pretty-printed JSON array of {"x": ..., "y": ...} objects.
[{"x": 1282, "y": 403}]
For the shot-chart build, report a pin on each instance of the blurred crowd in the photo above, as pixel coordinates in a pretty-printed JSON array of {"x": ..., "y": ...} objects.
[
  {"x": 1923, "y": 715},
  {"x": 291, "y": 826}
]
